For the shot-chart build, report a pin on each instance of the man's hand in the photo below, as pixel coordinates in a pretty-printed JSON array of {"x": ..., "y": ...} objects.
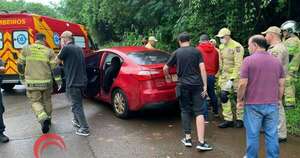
[
  {"x": 167, "y": 74},
  {"x": 58, "y": 61},
  {"x": 240, "y": 104},
  {"x": 204, "y": 92}
]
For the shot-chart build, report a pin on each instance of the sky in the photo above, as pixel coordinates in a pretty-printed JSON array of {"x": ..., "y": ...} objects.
[{"x": 47, "y": 2}]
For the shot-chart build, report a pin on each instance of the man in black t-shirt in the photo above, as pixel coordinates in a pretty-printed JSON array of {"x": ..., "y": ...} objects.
[
  {"x": 191, "y": 88},
  {"x": 71, "y": 56}
]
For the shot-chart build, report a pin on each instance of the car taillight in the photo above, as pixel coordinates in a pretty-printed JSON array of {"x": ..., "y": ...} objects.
[{"x": 146, "y": 74}]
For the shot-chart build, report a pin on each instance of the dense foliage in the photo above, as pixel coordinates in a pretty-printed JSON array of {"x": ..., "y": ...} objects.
[{"x": 113, "y": 20}]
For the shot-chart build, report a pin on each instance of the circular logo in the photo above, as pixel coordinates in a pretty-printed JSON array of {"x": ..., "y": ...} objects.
[
  {"x": 46, "y": 140},
  {"x": 56, "y": 38},
  {"x": 21, "y": 39}
]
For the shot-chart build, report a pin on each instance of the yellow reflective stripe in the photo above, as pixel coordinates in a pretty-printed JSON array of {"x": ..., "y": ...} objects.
[
  {"x": 30, "y": 58},
  {"x": 38, "y": 81},
  {"x": 52, "y": 64},
  {"x": 57, "y": 78},
  {"x": 42, "y": 116},
  {"x": 38, "y": 54}
]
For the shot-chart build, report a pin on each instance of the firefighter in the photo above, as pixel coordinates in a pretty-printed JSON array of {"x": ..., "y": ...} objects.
[
  {"x": 36, "y": 63},
  {"x": 292, "y": 43},
  {"x": 278, "y": 49},
  {"x": 231, "y": 57}
]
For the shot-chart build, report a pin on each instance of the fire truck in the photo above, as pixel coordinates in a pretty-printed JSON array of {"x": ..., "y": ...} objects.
[{"x": 18, "y": 30}]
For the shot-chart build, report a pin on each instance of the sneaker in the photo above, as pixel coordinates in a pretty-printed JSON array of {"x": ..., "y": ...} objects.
[
  {"x": 187, "y": 142},
  {"x": 204, "y": 147},
  {"x": 75, "y": 124},
  {"x": 46, "y": 126},
  {"x": 226, "y": 124},
  {"x": 3, "y": 138},
  {"x": 83, "y": 132}
]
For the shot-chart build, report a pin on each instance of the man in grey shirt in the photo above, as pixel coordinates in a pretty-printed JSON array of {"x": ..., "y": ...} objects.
[{"x": 71, "y": 56}]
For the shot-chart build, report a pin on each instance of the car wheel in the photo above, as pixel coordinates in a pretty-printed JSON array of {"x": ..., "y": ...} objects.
[
  {"x": 120, "y": 104},
  {"x": 8, "y": 86}
]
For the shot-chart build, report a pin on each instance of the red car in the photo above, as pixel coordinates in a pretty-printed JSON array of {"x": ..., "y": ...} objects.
[{"x": 129, "y": 78}]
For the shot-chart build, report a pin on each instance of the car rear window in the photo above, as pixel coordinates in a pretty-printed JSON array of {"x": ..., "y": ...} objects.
[{"x": 149, "y": 57}]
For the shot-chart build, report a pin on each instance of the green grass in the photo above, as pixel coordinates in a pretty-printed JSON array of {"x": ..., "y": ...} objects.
[{"x": 293, "y": 116}]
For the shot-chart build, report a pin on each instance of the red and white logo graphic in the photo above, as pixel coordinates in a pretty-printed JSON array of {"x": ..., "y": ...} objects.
[{"x": 47, "y": 140}]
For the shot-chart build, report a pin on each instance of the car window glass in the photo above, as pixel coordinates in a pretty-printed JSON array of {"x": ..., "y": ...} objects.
[
  {"x": 149, "y": 57},
  {"x": 108, "y": 58},
  {"x": 79, "y": 41},
  {"x": 20, "y": 39}
]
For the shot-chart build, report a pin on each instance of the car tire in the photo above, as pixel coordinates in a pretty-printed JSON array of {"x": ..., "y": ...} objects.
[
  {"x": 7, "y": 86},
  {"x": 120, "y": 104}
]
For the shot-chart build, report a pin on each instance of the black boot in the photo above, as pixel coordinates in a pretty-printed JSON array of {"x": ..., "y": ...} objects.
[
  {"x": 239, "y": 124},
  {"x": 3, "y": 138},
  {"x": 226, "y": 124},
  {"x": 46, "y": 126},
  {"x": 282, "y": 140}
]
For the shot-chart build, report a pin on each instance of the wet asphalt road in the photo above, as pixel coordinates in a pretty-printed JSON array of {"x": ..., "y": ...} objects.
[{"x": 149, "y": 134}]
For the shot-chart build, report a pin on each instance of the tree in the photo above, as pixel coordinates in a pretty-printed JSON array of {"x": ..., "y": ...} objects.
[{"x": 111, "y": 20}]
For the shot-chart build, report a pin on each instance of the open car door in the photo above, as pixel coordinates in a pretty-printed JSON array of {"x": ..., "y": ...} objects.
[{"x": 93, "y": 74}]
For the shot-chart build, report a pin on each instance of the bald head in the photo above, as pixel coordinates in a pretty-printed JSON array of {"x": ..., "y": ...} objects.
[
  {"x": 259, "y": 40},
  {"x": 257, "y": 43}
]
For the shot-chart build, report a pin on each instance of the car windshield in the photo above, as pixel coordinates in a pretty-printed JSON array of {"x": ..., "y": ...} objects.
[{"x": 149, "y": 57}]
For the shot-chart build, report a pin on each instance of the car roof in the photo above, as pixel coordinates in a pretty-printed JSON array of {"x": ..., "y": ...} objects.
[{"x": 128, "y": 49}]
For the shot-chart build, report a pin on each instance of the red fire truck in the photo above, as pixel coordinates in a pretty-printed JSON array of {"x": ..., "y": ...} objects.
[{"x": 18, "y": 30}]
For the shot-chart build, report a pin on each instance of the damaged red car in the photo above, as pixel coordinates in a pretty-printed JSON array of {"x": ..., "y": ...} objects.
[{"x": 129, "y": 78}]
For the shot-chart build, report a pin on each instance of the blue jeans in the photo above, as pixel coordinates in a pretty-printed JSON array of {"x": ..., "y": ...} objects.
[
  {"x": 255, "y": 117},
  {"x": 212, "y": 94}
]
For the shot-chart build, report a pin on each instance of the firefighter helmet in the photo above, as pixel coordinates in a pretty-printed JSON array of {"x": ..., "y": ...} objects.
[{"x": 290, "y": 26}]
